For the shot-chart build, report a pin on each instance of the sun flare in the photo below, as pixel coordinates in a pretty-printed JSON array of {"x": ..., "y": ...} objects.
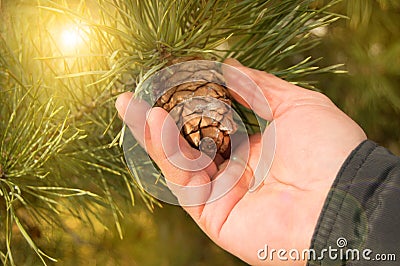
[{"x": 71, "y": 38}]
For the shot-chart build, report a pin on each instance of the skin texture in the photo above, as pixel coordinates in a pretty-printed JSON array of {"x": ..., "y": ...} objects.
[{"x": 313, "y": 139}]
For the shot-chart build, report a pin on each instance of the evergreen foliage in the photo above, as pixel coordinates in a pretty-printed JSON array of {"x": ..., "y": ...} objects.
[{"x": 59, "y": 132}]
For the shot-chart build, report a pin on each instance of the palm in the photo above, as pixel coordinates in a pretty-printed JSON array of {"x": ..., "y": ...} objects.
[{"x": 289, "y": 201}]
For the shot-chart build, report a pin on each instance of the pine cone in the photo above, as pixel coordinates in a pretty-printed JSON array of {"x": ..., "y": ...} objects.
[{"x": 201, "y": 109}]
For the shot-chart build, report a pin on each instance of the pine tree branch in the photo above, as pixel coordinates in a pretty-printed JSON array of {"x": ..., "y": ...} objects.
[{"x": 57, "y": 113}]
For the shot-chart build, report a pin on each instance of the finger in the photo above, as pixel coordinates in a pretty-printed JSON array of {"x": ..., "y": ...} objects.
[
  {"x": 159, "y": 136},
  {"x": 133, "y": 112},
  {"x": 186, "y": 170}
]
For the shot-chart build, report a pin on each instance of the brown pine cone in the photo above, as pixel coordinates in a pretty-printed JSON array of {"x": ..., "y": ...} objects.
[{"x": 202, "y": 110}]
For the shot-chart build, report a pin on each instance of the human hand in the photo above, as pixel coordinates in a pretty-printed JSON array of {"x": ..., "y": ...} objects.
[{"x": 313, "y": 138}]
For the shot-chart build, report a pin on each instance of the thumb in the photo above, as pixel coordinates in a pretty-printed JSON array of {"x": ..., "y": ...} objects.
[
  {"x": 243, "y": 87},
  {"x": 264, "y": 93}
]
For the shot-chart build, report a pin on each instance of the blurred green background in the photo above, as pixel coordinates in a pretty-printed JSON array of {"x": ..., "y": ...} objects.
[{"x": 368, "y": 43}]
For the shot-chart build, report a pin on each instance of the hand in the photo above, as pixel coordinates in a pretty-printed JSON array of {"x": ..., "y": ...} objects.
[{"x": 313, "y": 139}]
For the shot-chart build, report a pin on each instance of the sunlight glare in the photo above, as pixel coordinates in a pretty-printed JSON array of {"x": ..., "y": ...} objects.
[{"x": 71, "y": 38}]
